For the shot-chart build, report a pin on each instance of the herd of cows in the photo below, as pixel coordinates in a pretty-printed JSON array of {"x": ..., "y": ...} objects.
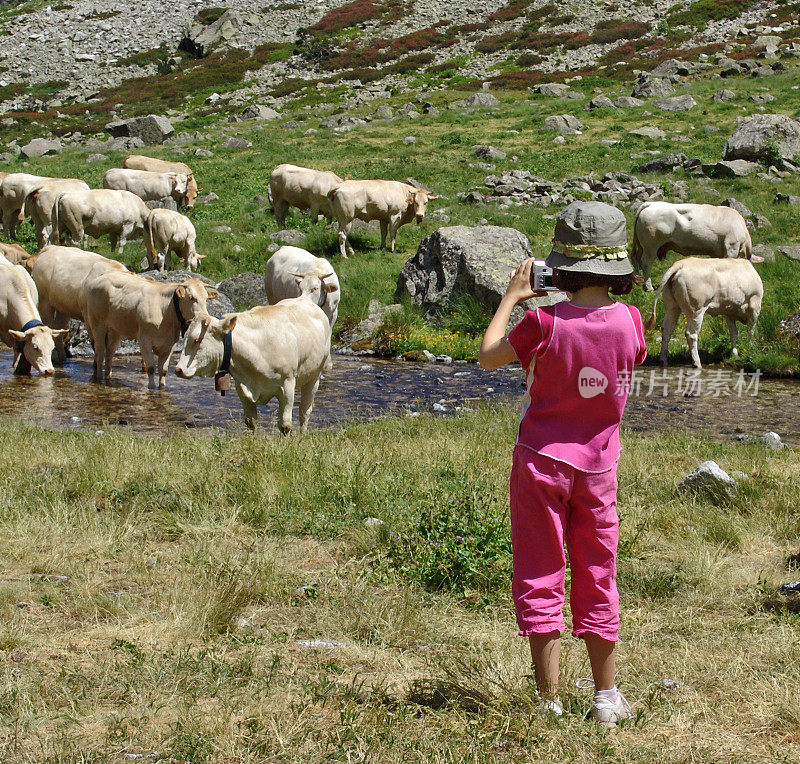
[{"x": 284, "y": 345}]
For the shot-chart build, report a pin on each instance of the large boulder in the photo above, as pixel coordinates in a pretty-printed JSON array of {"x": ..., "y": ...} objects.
[
  {"x": 257, "y": 111},
  {"x": 245, "y": 290},
  {"x": 563, "y": 124},
  {"x": 40, "y": 146},
  {"x": 216, "y": 307},
  {"x": 736, "y": 168},
  {"x": 209, "y": 30},
  {"x": 652, "y": 87},
  {"x": 677, "y": 103},
  {"x": 151, "y": 130},
  {"x": 459, "y": 260},
  {"x": 764, "y": 137},
  {"x": 482, "y": 99}
]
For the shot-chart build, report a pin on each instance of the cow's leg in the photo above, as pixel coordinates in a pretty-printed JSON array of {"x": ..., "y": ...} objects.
[
  {"x": 43, "y": 234},
  {"x": 163, "y": 368},
  {"x": 647, "y": 266},
  {"x": 285, "y": 405},
  {"x": 249, "y": 407},
  {"x": 307, "y": 393},
  {"x": 733, "y": 330},
  {"x": 693, "y": 325},
  {"x": 124, "y": 235},
  {"x": 281, "y": 206},
  {"x": 112, "y": 340},
  {"x": 394, "y": 224},
  {"x": 54, "y": 319},
  {"x": 345, "y": 247},
  {"x": 8, "y": 222},
  {"x": 671, "y": 315},
  {"x": 99, "y": 338},
  {"x": 149, "y": 360},
  {"x": 384, "y": 231}
]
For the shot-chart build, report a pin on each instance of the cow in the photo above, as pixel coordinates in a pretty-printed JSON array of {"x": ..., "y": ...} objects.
[
  {"x": 60, "y": 274},
  {"x": 695, "y": 286},
  {"x": 123, "y": 304},
  {"x": 39, "y": 204},
  {"x": 120, "y": 214},
  {"x": 149, "y": 186},
  {"x": 167, "y": 231},
  {"x": 21, "y": 326},
  {"x": 272, "y": 350},
  {"x": 301, "y": 187},
  {"x": 14, "y": 187},
  {"x": 688, "y": 229},
  {"x": 389, "y": 201},
  {"x": 15, "y": 254},
  {"x": 139, "y": 162}
]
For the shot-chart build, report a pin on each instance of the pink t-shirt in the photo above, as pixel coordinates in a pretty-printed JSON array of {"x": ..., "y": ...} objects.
[{"x": 579, "y": 383}]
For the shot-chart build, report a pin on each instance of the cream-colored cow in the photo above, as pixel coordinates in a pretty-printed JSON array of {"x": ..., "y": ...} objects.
[
  {"x": 40, "y": 202},
  {"x": 273, "y": 350},
  {"x": 139, "y": 162},
  {"x": 167, "y": 231},
  {"x": 695, "y": 286},
  {"x": 122, "y": 304},
  {"x": 148, "y": 186},
  {"x": 14, "y": 187},
  {"x": 301, "y": 187}
]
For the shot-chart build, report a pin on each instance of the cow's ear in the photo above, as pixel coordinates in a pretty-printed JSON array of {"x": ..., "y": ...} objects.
[
  {"x": 60, "y": 332},
  {"x": 431, "y": 197},
  {"x": 211, "y": 293},
  {"x": 227, "y": 323},
  {"x": 412, "y": 198},
  {"x": 18, "y": 336},
  {"x": 329, "y": 286},
  {"x": 199, "y": 256},
  {"x": 181, "y": 292}
]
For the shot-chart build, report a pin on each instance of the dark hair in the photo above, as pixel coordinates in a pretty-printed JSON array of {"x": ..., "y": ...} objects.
[{"x": 574, "y": 281}]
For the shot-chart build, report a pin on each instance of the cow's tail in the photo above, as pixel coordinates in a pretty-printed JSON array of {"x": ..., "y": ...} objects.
[
  {"x": 636, "y": 248},
  {"x": 56, "y": 233},
  {"x": 747, "y": 250},
  {"x": 151, "y": 249},
  {"x": 671, "y": 271}
]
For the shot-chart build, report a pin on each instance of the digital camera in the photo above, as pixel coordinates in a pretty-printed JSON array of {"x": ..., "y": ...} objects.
[{"x": 542, "y": 277}]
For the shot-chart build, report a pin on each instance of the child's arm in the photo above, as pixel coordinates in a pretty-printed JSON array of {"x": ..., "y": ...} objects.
[{"x": 495, "y": 349}]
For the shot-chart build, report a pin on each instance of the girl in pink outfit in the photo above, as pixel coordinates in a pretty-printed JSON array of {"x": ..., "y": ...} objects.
[{"x": 578, "y": 356}]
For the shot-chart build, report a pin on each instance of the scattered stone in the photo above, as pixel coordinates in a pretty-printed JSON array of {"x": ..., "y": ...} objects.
[
  {"x": 762, "y": 97},
  {"x": 222, "y": 229},
  {"x": 793, "y": 253},
  {"x": 260, "y": 112},
  {"x": 648, "y": 131},
  {"x": 238, "y": 143},
  {"x": 628, "y": 102},
  {"x": 207, "y": 199},
  {"x": 383, "y": 112},
  {"x": 38, "y": 147},
  {"x": 439, "y": 409},
  {"x": 723, "y": 95},
  {"x": 167, "y": 203},
  {"x": 709, "y": 476},
  {"x": 735, "y": 204},
  {"x": 666, "y": 163},
  {"x": 600, "y": 102},
  {"x": 482, "y": 99},
  {"x": 151, "y": 130},
  {"x": 771, "y": 439},
  {"x": 553, "y": 89},
  {"x": 652, "y": 87},
  {"x": 787, "y": 199},
  {"x": 373, "y": 523},
  {"x": 559, "y": 139},
  {"x": 205, "y": 153},
  {"x": 245, "y": 290},
  {"x": 767, "y": 254},
  {"x": 564, "y": 124},
  {"x": 201, "y": 38},
  {"x": 489, "y": 153},
  {"x": 676, "y": 103},
  {"x": 320, "y": 644},
  {"x": 735, "y": 168},
  {"x": 409, "y": 140},
  {"x": 289, "y": 236},
  {"x": 96, "y": 158},
  {"x": 759, "y": 137}
]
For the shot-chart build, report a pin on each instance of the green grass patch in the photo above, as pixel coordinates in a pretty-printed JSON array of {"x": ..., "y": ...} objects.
[{"x": 699, "y": 13}]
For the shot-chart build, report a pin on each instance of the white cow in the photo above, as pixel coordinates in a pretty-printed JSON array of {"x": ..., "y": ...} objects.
[
  {"x": 294, "y": 272},
  {"x": 696, "y": 286},
  {"x": 140, "y": 162},
  {"x": 40, "y": 202},
  {"x": 21, "y": 326},
  {"x": 14, "y": 253},
  {"x": 389, "y": 201},
  {"x": 688, "y": 229},
  {"x": 60, "y": 274},
  {"x": 167, "y": 231},
  {"x": 120, "y": 214},
  {"x": 147, "y": 185},
  {"x": 123, "y": 304},
  {"x": 14, "y": 187},
  {"x": 273, "y": 350},
  {"x": 301, "y": 187}
]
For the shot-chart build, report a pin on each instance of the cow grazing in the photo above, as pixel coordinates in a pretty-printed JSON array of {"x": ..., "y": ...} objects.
[
  {"x": 14, "y": 187},
  {"x": 301, "y": 187},
  {"x": 60, "y": 274},
  {"x": 139, "y": 162},
  {"x": 21, "y": 326},
  {"x": 696, "y": 286},
  {"x": 15, "y": 254},
  {"x": 389, "y": 201},
  {"x": 167, "y": 231},
  {"x": 149, "y": 186},
  {"x": 120, "y": 214},
  {"x": 39, "y": 205},
  {"x": 688, "y": 229},
  {"x": 122, "y": 304},
  {"x": 273, "y": 349}
]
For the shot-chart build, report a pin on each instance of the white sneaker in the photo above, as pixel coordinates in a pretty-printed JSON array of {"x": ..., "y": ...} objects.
[
  {"x": 549, "y": 706},
  {"x": 607, "y": 713}
]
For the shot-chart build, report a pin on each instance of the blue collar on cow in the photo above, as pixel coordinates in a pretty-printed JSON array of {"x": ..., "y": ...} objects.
[
  {"x": 181, "y": 320},
  {"x": 33, "y": 322},
  {"x": 323, "y": 296}
]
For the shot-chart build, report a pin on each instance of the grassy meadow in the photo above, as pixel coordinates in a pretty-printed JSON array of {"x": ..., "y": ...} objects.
[
  {"x": 441, "y": 158},
  {"x": 234, "y": 606}
]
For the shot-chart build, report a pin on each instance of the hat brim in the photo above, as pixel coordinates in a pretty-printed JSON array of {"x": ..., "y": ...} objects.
[{"x": 559, "y": 261}]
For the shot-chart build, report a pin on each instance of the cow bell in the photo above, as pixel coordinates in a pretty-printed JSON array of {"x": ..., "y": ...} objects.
[{"x": 222, "y": 382}]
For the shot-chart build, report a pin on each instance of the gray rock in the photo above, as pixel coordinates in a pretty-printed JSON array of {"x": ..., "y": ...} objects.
[
  {"x": 652, "y": 87},
  {"x": 238, "y": 143},
  {"x": 124, "y": 143},
  {"x": 759, "y": 137},
  {"x": 793, "y": 253},
  {"x": 735, "y": 204},
  {"x": 489, "y": 153},
  {"x": 377, "y": 314},
  {"x": 765, "y": 252},
  {"x": 152, "y": 129},
  {"x": 289, "y": 236},
  {"x": 575, "y": 95},
  {"x": 553, "y": 89},
  {"x": 482, "y": 99},
  {"x": 203, "y": 153},
  {"x": 292, "y": 124},
  {"x": 409, "y": 140},
  {"x": 676, "y": 103},
  {"x": 787, "y": 199},
  {"x": 672, "y": 66},
  {"x": 736, "y": 168},
  {"x": 723, "y": 95},
  {"x": 207, "y": 199},
  {"x": 762, "y": 97},
  {"x": 709, "y": 477},
  {"x": 260, "y": 112},
  {"x": 790, "y": 327},
  {"x": 167, "y": 203},
  {"x": 665, "y": 163},
  {"x": 383, "y": 112},
  {"x": 217, "y": 306},
  {"x": 648, "y": 131},
  {"x": 563, "y": 124},
  {"x": 627, "y": 102},
  {"x": 460, "y": 260},
  {"x": 40, "y": 146},
  {"x": 202, "y": 38},
  {"x": 600, "y": 102},
  {"x": 245, "y": 290},
  {"x": 96, "y": 158}
]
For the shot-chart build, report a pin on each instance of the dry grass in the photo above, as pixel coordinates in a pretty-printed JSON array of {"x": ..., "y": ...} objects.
[{"x": 200, "y": 568}]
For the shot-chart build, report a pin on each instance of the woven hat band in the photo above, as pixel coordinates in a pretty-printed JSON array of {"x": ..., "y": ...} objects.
[{"x": 590, "y": 251}]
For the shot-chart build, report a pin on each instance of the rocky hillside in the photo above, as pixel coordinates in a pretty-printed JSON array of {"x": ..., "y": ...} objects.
[{"x": 66, "y": 53}]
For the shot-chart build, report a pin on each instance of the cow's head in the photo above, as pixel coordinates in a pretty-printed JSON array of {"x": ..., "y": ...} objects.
[
  {"x": 179, "y": 182},
  {"x": 418, "y": 203},
  {"x": 317, "y": 286},
  {"x": 37, "y": 344},
  {"x": 192, "y": 296},
  {"x": 193, "y": 260},
  {"x": 203, "y": 345},
  {"x": 191, "y": 192}
]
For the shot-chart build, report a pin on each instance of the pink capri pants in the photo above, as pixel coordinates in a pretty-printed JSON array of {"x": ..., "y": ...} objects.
[{"x": 553, "y": 503}]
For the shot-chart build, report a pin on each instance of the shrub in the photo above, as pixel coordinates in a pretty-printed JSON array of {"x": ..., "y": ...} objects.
[
  {"x": 208, "y": 16},
  {"x": 529, "y": 59},
  {"x": 493, "y": 43},
  {"x": 511, "y": 11},
  {"x": 357, "y": 12},
  {"x": 145, "y": 57},
  {"x": 699, "y": 13},
  {"x": 612, "y": 30}
]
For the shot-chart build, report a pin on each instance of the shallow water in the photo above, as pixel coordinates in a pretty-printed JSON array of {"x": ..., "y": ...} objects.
[{"x": 367, "y": 388}]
